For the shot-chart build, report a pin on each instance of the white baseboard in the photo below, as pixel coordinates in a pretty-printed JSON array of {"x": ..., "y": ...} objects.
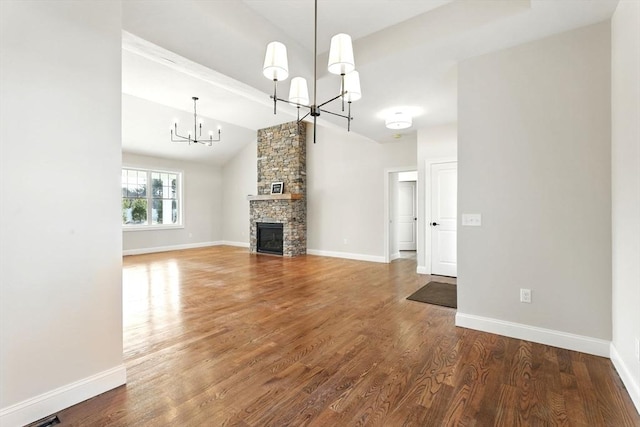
[
  {"x": 422, "y": 270},
  {"x": 521, "y": 331},
  {"x": 394, "y": 256},
  {"x": 49, "y": 403},
  {"x": 632, "y": 384},
  {"x": 230, "y": 243},
  {"x": 153, "y": 250},
  {"x": 346, "y": 255}
]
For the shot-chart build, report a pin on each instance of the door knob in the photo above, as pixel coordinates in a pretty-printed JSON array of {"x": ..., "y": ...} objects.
[{"x": 433, "y": 224}]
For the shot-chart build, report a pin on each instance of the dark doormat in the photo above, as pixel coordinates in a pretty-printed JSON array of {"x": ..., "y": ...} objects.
[{"x": 437, "y": 293}]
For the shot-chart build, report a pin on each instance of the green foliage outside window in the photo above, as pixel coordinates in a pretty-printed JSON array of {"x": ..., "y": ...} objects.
[{"x": 134, "y": 211}]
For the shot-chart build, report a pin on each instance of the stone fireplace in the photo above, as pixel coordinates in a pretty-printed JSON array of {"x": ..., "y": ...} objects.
[{"x": 281, "y": 158}]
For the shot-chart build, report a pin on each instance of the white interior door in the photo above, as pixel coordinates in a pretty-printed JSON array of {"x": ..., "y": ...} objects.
[
  {"x": 443, "y": 223},
  {"x": 407, "y": 216}
]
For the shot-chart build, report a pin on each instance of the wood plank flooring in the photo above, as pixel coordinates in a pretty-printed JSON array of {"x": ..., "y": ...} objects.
[{"x": 219, "y": 337}]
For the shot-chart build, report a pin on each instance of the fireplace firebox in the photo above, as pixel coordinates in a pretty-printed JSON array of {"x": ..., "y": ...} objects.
[{"x": 270, "y": 238}]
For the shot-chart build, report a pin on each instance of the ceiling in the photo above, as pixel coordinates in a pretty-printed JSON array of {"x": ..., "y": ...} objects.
[{"x": 406, "y": 51}]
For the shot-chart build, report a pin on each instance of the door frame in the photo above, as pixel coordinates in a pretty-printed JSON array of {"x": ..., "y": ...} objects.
[
  {"x": 387, "y": 206},
  {"x": 427, "y": 208}
]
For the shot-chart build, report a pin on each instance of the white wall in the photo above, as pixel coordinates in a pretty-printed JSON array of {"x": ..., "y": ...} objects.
[
  {"x": 345, "y": 192},
  {"x": 61, "y": 265},
  {"x": 625, "y": 169},
  {"x": 434, "y": 143},
  {"x": 202, "y": 198},
  {"x": 534, "y": 158},
  {"x": 240, "y": 177}
]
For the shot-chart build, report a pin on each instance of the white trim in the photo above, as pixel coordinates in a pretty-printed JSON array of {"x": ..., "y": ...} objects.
[
  {"x": 426, "y": 269},
  {"x": 521, "y": 331},
  {"x": 151, "y": 227},
  {"x": 632, "y": 385},
  {"x": 346, "y": 255},
  {"x": 395, "y": 256},
  {"x": 49, "y": 403},
  {"x": 230, "y": 243},
  {"x": 387, "y": 172},
  {"x": 422, "y": 270},
  {"x": 142, "y": 251}
]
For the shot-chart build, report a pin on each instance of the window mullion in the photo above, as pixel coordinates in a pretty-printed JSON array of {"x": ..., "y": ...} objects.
[{"x": 149, "y": 198}]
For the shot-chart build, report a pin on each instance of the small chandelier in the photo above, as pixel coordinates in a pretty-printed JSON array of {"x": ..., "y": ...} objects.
[
  {"x": 197, "y": 131},
  {"x": 341, "y": 62}
]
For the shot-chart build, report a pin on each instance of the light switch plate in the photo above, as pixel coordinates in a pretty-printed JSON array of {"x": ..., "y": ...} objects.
[{"x": 472, "y": 220}]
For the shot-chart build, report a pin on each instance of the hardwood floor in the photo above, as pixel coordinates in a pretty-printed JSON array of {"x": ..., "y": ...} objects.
[{"x": 217, "y": 337}]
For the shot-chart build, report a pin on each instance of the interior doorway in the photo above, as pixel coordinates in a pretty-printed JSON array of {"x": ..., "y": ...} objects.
[
  {"x": 401, "y": 213},
  {"x": 406, "y": 213}
]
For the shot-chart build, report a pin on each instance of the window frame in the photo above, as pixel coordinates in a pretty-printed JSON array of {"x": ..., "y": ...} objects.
[{"x": 149, "y": 198}]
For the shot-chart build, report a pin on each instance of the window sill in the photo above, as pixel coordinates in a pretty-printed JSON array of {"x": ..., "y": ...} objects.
[{"x": 152, "y": 227}]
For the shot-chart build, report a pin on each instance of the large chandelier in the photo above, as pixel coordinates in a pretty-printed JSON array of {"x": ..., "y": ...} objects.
[
  {"x": 341, "y": 62},
  {"x": 197, "y": 131}
]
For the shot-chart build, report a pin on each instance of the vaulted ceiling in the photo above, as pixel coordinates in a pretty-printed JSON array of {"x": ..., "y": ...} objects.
[{"x": 406, "y": 51}]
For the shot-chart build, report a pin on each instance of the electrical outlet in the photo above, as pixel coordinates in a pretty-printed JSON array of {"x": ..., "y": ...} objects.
[
  {"x": 525, "y": 295},
  {"x": 638, "y": 349},
  {"x": 345, "y": 241}
]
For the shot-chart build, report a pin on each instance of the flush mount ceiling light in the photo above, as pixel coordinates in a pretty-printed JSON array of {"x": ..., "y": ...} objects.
[
  {"x": 197, "y": 131},
  {"x": 398, "y": 120},
  {"x": 341, "y": 62}
]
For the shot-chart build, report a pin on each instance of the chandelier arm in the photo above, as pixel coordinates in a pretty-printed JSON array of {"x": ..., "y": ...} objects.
[
  {"x": 297, "y": 105},
  {"x": 182, "y": 139},
  {"x": 206, "y": 142},
  {"x": 335, "y": 114},
  {"x": 304, "y": 117},
  {"x": 180, "y": 136},
  {"x": 331, "y": 100},
  {"x": 291, "y": 102},
  {"x": 214, "y": 140},
  {"x": 177, "y": 135}
]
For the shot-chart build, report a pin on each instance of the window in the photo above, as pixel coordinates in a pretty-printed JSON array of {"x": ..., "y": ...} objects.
[{"x": 151, "y": 198}]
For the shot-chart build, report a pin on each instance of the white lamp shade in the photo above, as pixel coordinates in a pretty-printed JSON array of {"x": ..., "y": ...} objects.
[
  {"x": 298, "y": 92},
  {"x": 341, "y": 55},
  {"x": 276, "y": 66},
  {"x": 352, "y": 86},
  {"x": 398, "y": 120}
]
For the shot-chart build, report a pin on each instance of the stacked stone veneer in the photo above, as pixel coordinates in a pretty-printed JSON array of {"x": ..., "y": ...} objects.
[{"x": 282, "y": 157}]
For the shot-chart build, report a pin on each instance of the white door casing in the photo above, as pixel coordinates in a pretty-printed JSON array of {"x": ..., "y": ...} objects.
[
  {"x": 443, "y": 221},
  {"x": 407, "y": 216}
]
